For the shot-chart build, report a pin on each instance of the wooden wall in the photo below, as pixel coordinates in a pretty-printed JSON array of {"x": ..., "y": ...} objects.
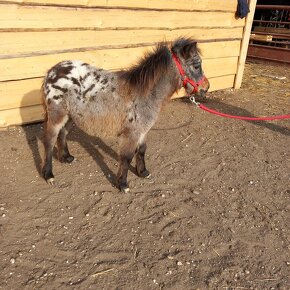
[{"x": 36, "y": 34}]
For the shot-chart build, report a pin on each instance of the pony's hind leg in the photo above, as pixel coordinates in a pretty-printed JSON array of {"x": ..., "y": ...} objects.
[
  {"x": 55, "y": 122},
  {"x": 140, "y": 161},
  {"x": 63, "y": 152}
]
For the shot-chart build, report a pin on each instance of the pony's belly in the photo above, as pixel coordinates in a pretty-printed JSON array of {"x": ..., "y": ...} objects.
[{"x": 96, "y": 125}]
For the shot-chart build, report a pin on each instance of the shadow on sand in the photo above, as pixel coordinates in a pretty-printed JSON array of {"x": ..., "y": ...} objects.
[{"x": 233, "y": 110}]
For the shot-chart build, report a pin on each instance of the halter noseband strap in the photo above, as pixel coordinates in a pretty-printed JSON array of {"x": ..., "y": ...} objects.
[{"x": 184, "y": 77}]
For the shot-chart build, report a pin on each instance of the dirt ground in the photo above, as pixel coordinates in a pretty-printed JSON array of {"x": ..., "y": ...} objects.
[{"x": 215, "y": 214}]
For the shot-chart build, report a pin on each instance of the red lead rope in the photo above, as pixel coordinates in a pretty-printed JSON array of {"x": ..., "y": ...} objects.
[
  {"x": 203, "y": 107},
  {"x": 186, "y": 80}
]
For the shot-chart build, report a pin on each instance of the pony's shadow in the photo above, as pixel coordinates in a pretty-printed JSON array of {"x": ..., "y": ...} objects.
[
  {"x": 95, "y": 146},
  {"x": 233, "y": 110}
]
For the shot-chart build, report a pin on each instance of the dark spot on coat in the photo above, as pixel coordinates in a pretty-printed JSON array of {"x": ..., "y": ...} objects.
[
  {"x": 60, "y": 71},
  {"x": 86, "y": 76},
  {"x": 131, "y": 120},
  {"x": 64, "y": 90},
  {"x": 113, "y": 89},
  {"x": 56, "y": 97},
  {"x": 64, "y": 70},
  {"x": 104, "y": 81},
  {"x": 76, "y": 82},
  {"x": 84, "y": 64},
  {"x": 97, "y": 76},
  {"x": 89, "y": 89},
  {"x": 49, "y": 101}
]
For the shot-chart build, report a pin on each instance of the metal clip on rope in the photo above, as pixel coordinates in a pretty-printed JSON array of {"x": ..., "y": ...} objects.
[{"x": 192, "y": 99}]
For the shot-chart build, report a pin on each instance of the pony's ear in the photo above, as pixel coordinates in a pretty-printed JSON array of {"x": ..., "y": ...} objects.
[{"x": 189, "y": 50}]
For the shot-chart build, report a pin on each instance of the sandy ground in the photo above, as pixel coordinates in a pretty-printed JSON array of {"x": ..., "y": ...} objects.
[{"x": 215, "y": 214}]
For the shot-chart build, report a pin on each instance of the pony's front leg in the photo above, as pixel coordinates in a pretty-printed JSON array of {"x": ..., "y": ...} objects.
[
  {"x": 140, "y": 161},
  {"x": 127, "y": 152}
]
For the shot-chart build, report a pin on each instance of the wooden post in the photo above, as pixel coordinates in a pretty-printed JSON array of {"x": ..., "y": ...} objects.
[{"x": 245, "y": 43}]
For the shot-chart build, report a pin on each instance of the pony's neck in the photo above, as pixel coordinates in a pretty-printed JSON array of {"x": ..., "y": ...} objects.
[{"x": 167, "y": 85}]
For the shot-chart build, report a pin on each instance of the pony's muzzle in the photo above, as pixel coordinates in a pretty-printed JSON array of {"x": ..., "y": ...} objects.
[{"x": 203, "y": 88}]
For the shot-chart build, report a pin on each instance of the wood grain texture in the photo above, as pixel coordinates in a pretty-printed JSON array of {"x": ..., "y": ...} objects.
[
  {"x": 205, "y": 5},
  {"x": 15, "y": 16},
  {"x": 21, "y": 43}
]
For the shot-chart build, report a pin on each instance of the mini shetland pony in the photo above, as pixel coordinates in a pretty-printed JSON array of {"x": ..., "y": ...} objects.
[{"x": 124, "y": 104}]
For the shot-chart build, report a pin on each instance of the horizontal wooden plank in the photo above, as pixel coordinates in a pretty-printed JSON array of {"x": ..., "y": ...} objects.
[
  {"x": 20, "y": 93},
  {"x": 219, "y": 49},
  {"x": 271, "y": 30},
  {"x": 264, "y": 38},
  {"x": 14, "y": 43},
  {"x": 229, "y": 5},
  {"x": 215, "y": 67},
  {"x": 23, "y": 17},
  {"x": 269, "y": 52},
  {"x": 111, "y": 59},
  {"x": 34, "y": 113},
  {"x": 20, "y": 116}
]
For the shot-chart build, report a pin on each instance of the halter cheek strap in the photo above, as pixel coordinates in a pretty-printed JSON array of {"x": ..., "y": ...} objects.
[{"x": 184, "y": 77}]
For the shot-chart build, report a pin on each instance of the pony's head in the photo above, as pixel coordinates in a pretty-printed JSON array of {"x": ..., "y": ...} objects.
[{"x": 187, "y": 59}]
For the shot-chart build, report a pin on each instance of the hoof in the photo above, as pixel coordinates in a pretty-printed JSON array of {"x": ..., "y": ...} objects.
[
  {"x": 67, "y": 159},
  {"x": 48, "y": 176},
  {"x": 148, "y": 176},
  {"x": 50, "y": 181},
  {"x": 144, "y": 174},
  {"x": 124, "y": 189}
]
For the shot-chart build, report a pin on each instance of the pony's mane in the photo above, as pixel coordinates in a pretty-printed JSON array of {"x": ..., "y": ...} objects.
[{"x": 141, "y": 77}]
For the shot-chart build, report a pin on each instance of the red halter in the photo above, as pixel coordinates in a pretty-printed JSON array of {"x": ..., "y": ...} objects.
[{"x": 184, "y": 77}]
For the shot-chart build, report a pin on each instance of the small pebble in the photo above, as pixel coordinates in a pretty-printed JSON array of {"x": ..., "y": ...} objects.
[
  {"x": 179, "y": 263},
  {"x": 12, "y": 260},
  {"x": 71, "y": 218}
]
